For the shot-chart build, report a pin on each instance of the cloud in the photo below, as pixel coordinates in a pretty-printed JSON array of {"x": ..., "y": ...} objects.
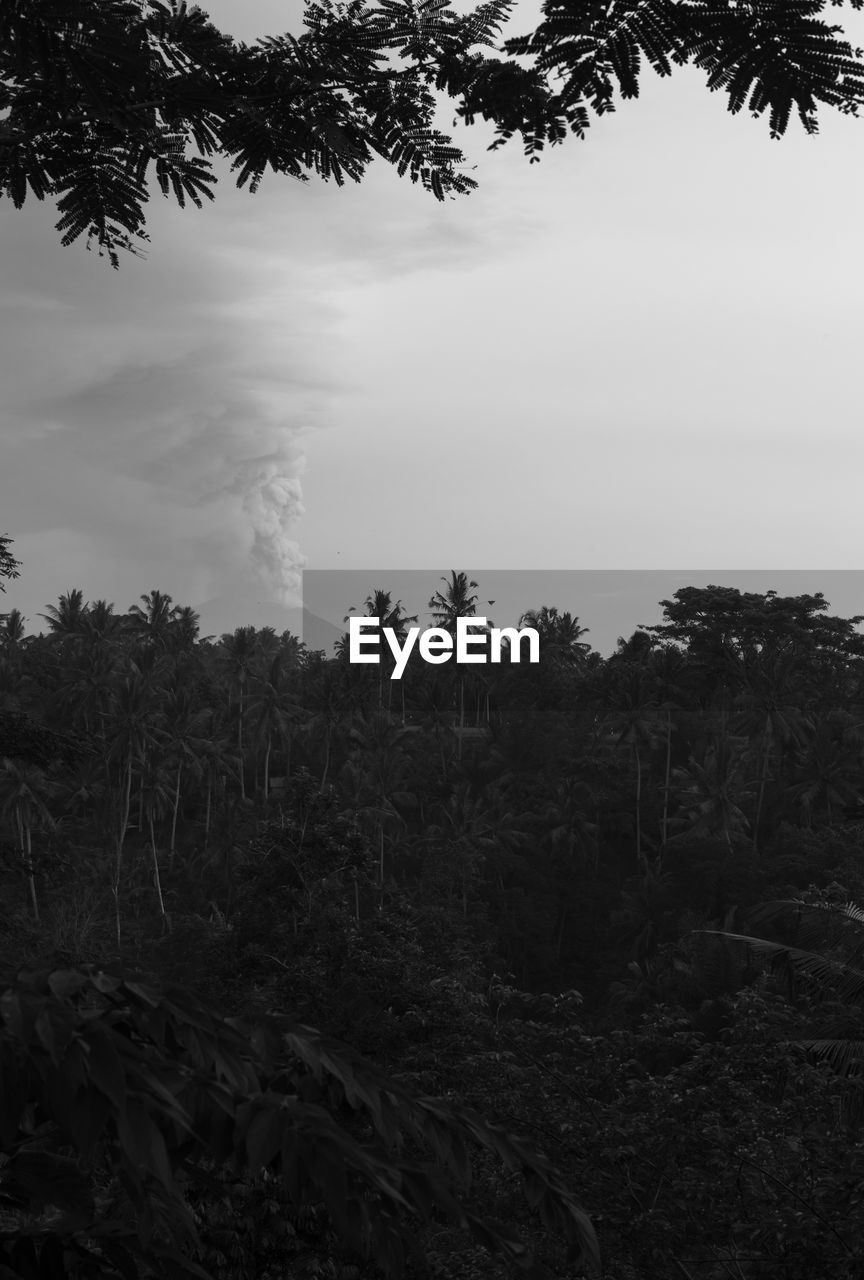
[{"x": 158, "y": 415}]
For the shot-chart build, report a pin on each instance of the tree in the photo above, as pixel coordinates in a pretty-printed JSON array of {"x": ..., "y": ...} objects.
[
  {"x": 183, "y": 729},
  {"x": 24, "y": 793},
  {"x": 458, "y": 600},
  {"x": 66, "y": 618},
  {"x": 633, "y": 719},
  {"x": 156, "y": 622},
  {"x": 560, "y": 635},
  {"x": 9, "y": 566},
  {"x": 133, "y": 725},
  {"x": 272, "y": 709},
  {"x": 789, "y": 930},
  {"x": 379, "y": 604},
  {"x": 710, "y": 789},
  {"x": 153, "y": 1093},
  {"x": 12, "y": 630},
  {"x": 100, "y": 93},
  {"x": 240, "y": 649}
]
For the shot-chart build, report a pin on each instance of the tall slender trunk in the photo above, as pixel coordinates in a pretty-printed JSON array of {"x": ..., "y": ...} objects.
[
  {"x": 326, "y": 761},
  {"x": 638, "y": 803},
  {"x": 174, "y": 815},
  {"x": 267, "y": 769},
  {"x": 121, "y": 836},
  {"x": 207, "y": 811},
  {"x": 667, "y": 778},
  {"x": 157, "y": 882},
  {"x": 30, "y": 873},
  {"x": 763, "y": 778},
  {"x": 240, "y": 745},
  {"x": 461, "y": 714},
  {"x": 24, "y": 844},
  {"x": 380, "y": 864},
  {"x": 142, "y": 762}
]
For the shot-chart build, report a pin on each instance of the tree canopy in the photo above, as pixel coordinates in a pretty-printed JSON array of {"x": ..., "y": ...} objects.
[
  {"x": 9, "y": 566},
  {"x": 98, "y": 95}
]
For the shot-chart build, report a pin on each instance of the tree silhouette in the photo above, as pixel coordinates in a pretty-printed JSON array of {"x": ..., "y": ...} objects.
[
  {"x": 9, "y": 566},
  {"x": 99, "y": 94}
]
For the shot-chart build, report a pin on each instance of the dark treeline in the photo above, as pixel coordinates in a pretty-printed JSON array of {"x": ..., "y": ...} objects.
[{"x": 515, "y": 886}]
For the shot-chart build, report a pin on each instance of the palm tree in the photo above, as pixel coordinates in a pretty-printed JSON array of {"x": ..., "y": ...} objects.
[
  {"x": 12, "y": 630},
  {"x": 633, "y": 719},
  {"x": 156, "y": 793},
  {"x": 456, "y": 601},
  {"x": 217, "y": 765},
  {"x": 11, "y": 684},
  {"x": 326, "y": 699},
  {"x": 669, "y": 672},
  {"x": 240, "y": 649},
  {"x": 155, "y": 623},
  {"x": 82, "y": 691},
  {"x": 829, "y": 772},
  {"x": 788, "y": 931},
  {"x": 375, "y": 775},
  {"x": 185, "y": 626},
  {"x": 469, "y": 826},
  {"x": 379, "y": 604},
  {"x": 183, "y": 723},
  {"x": 24, "y": 793},
  {"x": 272, "y": 711},
  {"x": 66, "y": 618},
  {"x": 771, "y": 716},
  {"x": 710, "y": 791},
  {"x": 560, "y": 635},
  {"x": 132, "y": 734}
]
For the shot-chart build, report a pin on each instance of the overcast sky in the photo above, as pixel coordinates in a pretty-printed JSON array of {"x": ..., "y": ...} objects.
[{"x": 638, "y": 354}]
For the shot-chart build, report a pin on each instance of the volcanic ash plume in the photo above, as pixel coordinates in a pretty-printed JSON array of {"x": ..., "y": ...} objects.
[{"x": 271, "y": 503}]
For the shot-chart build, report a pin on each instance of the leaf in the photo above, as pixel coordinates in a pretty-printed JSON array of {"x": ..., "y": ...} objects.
[
  {"x": 106, "y": 1069},
  {"x": 42, "y": 1178},
  {"x": 263, "y": 1139}
]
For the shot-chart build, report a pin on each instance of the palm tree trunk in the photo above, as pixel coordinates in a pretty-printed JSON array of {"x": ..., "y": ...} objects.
[
  {"x": 240, "y": 746},
  {"x": 30, "y": 874},
  {"x": 763, "y": 778},
  {"x": 326, "y": 761},
  {"x": 667, "y": 777},
  {"x": 157, "y": 882},
  {"x": 24, "y": 843},
  {"x": 174, "y": 816},
  {"x": 121, "y": 836},
  {"x": 461, "y": 714},
  {"x": 638, "y": 803},
  {"x": 207, "y": 810},
  {"x": 380, "y": 864},
  {"x": 141, "y": 796},
  {"x": 267, "y": 769}
]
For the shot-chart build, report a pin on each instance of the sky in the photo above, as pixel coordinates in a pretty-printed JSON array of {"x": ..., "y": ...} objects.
[{"x": 636, "y": 355}]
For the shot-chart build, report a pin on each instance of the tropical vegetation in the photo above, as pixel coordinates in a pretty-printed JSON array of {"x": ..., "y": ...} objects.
[{"x": 592, "y": 929}]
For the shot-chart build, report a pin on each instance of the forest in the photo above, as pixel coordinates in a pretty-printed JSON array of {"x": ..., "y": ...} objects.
[{"x": 282, "y": 938}]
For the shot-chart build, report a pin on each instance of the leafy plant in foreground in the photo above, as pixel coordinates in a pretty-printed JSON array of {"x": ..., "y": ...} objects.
[{"x": 117, "y": 1097}]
